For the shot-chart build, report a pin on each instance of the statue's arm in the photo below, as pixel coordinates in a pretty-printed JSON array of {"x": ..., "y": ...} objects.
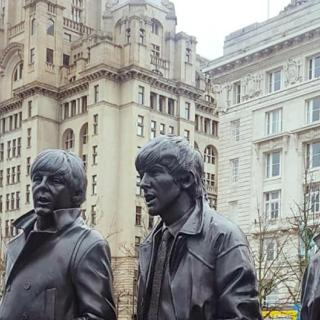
[
  {"x": 93, "y": 284},
  {"x": 236, "y": 284}
]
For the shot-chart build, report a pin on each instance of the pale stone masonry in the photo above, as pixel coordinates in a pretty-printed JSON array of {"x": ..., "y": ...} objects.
[
  {"x": 99, "y": 78},
  {"x": 267, "y": 87}
]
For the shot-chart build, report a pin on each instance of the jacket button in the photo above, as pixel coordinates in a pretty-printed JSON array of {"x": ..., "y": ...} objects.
[{"x": 27, "y": 285}]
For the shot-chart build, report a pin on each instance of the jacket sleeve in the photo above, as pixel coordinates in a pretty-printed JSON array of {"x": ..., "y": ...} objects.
[
  {"x": 237, "y": 296},
  {"x": 93, "y": 283}
]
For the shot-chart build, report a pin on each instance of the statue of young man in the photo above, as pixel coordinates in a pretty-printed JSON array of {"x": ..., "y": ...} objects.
[
  {"x": 57, "y": 268},
  {"x": 195, "y": 264}
]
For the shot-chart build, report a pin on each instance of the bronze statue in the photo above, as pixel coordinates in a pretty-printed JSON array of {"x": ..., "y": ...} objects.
[
  {"x": 195, "y": 264},
  {"x": 57, "y": 268},
  {"x": 310, "y": 295}
]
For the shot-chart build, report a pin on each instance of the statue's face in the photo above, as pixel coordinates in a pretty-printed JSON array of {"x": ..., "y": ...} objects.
[
  {"x": 160, "y": 189},
  {"x": 50, "y": 192}
]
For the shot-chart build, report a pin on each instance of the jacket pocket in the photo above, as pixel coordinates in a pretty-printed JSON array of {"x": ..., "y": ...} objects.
[{"x": 50, "y": 301}]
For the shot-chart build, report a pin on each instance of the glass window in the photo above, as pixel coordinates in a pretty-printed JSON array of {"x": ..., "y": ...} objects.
[
  {"x": 235, "y": 170},
  {"x": 153, "y": 131},
  {"x": 274, "y": 121},
  {"x": 313, "y": 155},
  {"x": 32, "y": 55},
  {"x": 237, "y": 92},
  {"x": 96, "y": 93},
  {"x": 50, "y": 27},
  {"x": 235, "y": 129},
  {"x": 49, "y": 58},
  {"x": 272, "y": 204},
  {"x": 187, "y": 108},
  {"x": 141, "y": 95},
  {"x": 314, "y": 67},
  {"x": 273, "y": 164},
  {"x": 313, "y": 110},
  {"x": 274, "y": 79},
  {"x": 140, "y": 126},
  {"x": 209, "y": 155}
]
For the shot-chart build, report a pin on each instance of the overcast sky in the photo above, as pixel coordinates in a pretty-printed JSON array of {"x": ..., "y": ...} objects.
[{"x": 211, "y": 20}]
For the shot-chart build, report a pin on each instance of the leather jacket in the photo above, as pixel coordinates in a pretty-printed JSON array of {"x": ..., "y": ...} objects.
[
  {"x": 58, "y": 274},
  {"x": 211, "y": 270},
  {"x": 310, "y": 294}
]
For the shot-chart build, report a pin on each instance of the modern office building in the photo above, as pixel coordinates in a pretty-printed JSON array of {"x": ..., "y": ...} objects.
[
  {"x": 99, "y": 78},
  {"x": 267, "y": 88}
]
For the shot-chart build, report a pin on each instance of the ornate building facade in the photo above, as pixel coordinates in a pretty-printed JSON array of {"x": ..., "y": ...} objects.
[
  {"x": 99, "y": 78},
  {"x": 267, "y": 87}
]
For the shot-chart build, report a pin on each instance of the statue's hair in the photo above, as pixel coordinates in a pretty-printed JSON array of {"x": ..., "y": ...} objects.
[
  {"x": 176, "y": 154},
  {"x": 66, "y": 164}
]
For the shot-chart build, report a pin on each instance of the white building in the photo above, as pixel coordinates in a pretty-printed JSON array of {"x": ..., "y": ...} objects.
[{"x": 267, "y": 85}]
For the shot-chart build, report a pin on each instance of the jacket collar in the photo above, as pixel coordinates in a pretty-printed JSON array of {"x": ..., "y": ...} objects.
[{"x": 62, "y": 218}]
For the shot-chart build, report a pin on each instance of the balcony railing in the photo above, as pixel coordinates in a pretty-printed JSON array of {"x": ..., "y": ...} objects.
[
  {"x": 159, "y": 63},
  {"x": 16, "y": 29},
  {"x": 77, "y": 26}
]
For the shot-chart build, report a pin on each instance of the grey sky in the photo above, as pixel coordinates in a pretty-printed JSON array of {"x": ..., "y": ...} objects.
[{"x": 211, "y": 20}]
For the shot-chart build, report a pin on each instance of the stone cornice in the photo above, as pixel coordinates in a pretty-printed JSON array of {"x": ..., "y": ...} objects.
[
  {"x": 226, "y": 64},
  {"x": 30, "y": 3},
  {"x": 10, "y": 105},
  {"x": 36, "y": 87}
]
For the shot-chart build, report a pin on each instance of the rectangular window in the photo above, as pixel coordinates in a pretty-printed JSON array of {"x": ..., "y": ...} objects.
[
  {"x": 171, "y": 130},
  {"x": 274, "y": 80},
  {"x": 1, "y": 151},
  {"x": 49, "y": 58},
  {"x": 94, "y": 185},
  {"x": 235, "y": 129},
  {"x": 314, "y": 67},
  {"x": 13, "y": 175},
  {"x": 8, "y": 176},
  {"x": 137, "y": 241},
  {"x": 18, "y": 173},
  {"x": 272, "y": 162},
  {"x": 32, "y": 55},
  {"x": 272, "y": 204},
  {"x": 237, "y": 92},
  {"x": 28, "y": 165},
  {"x": 1, "y": 204},
  {"x": 8, "y": 149},
  {"x": 274, "y": 121},
  {"x": 140, "y": 126},
  {"x": 187, "y": 108},
  {"x": 84, "y": 104},
  {"x": 28, "y": 137},
  {"x": 186, "y": 134},
  {"x": 313, "y": 110},
  {"x": 162, "y": 103},
  {"x": 12, "y": 202},
  {"x": 155, "y": 50},
  {"x": 67, "y": 37},
  {"x": 313, "y": 155},
  {"x": 14, "y": 148},
  {"x": 95, "y": 124},
  {"x": 1, "y": 178},
  {"x": 271, "y": 249},
  {"x": 93, "y": 215},
  {"x": 314, "y": 198},
  {"x": 7, "y": 229},
  {"x": 171, "y": 107},
  {"x": 234, "y": 170},
  {"x": 84, "y": 160},
  {"x": 94, "y": 155},
  {"x": 17, "y": 200},
  {"x": 27, "y": 193},
  {"x": 153, "y": 129},
  {"x": 141, "y": 95},
  {"x": 66, "y": 113},
  {"x": 19, "y": 147},
  {"x": 138, "y": 216},
  {"x": 96, "y": 93},
  {"x": 162, "y": 129},
  {"x": 73, "y": 108},
  {"x": 66, "y": 60},
  {"x": 153, "y": 101},
  {"x": 209, "y": 179}
]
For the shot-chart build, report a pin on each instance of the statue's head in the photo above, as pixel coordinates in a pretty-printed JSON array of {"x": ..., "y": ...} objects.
[
  {"x": 58, "y": 181},
  {"x": 168, "y": 165}
]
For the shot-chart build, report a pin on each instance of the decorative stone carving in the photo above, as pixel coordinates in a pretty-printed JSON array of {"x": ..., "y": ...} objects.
[
  {"x": 222, "y": 94},
  {"x": 292, "y": 71},
  {"x": 252, "y": 86}
]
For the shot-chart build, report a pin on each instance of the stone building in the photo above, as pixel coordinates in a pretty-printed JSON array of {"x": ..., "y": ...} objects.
[
  {"x": 99, "y": 78},
  {"x": 267, "y": 87}
]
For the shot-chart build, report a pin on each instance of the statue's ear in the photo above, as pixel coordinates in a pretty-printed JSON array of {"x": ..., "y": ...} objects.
[{"x": 187, "y": 180}]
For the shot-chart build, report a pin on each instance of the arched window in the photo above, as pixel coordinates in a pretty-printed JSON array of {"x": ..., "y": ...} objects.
[
  {"x": 50, "y": 27},
  {"x": 209, "y": 155},
  {"x": 155, "y": 26},
  {"x": 33, "y": 26},
  {"x": 84, "y": 134},
  {"x": 68, "y": 139},
  {"x": 18, "y": 71}
]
